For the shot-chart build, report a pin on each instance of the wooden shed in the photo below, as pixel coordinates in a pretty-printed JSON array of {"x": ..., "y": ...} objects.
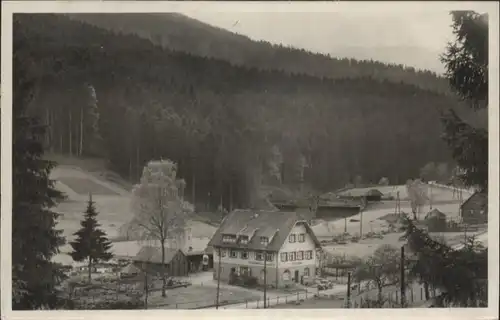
[{"x": 176, "y": 262}]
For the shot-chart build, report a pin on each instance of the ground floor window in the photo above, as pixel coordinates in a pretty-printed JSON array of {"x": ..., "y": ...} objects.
[
  {"x": 262, "y": 274},
  {"x": 244, "y": 271},
  {"x": 306, "y": 272},
  {"x": 286, "y": 275}
]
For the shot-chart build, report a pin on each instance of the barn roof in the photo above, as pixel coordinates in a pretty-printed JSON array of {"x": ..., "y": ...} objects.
[
  {"x": 478, "y": 198},
  {"x": 153, "y": 254}
]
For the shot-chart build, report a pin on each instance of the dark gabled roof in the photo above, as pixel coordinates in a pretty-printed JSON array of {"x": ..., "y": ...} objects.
[
  {"x": 374, "y": 192},
  {"x": 435, "y": 213},
  {"x": 153, "y": 254},
  {"x": 272, "y": 224},
  {"x": 482, "y": 197}
]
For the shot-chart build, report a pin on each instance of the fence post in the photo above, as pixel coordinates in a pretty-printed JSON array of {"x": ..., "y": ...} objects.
[
  {"x": 258, "y": 304},
  {"x": 246, "y": 304},
  {"x": 411, "y": 292},
  {"x": 268, "y": 299},
  {"x": 286, "y": 299},
  {"x": 297, "y": 297},
  {"x": 397, "y": 296},
  {"x": 278, "y": 300},
  {"x": 421, "y": 293}
]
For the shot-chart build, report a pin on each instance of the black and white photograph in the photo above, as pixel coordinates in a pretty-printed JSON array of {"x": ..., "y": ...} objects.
[{"x": 249, "y": 156}]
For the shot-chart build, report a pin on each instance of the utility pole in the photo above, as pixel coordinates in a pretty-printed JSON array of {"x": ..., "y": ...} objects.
[
  {"x": 348, "y": 290},
  {"x": 398, "y": 204},
  {"x": 403, "y": 288},
  {"x": 430, "y": 196},
  {"x": 361, "y": 225},
  {"x": 345, "y": 225},
  {"x": 218, "y": 280},
  {"x": 265, "y": 278}
]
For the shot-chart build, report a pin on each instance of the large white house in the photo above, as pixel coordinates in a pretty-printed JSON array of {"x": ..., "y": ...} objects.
[{"x": 245, "y": 238}]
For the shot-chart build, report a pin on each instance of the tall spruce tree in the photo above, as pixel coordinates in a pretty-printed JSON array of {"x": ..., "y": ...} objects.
[
  {"x": 466, "y": 61},
  {"x": 91, "y": 244},
  {"x": 461, "y": 274},
  {"x": 35, "y": 239}
]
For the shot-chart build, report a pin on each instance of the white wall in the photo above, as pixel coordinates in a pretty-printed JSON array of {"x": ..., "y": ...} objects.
[{"x": 298, "y": 246}]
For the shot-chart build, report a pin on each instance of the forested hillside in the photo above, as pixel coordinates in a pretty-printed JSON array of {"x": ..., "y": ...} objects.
[
  {"x": 230, "y": 128},
  {"x": 178, "y": 32}
]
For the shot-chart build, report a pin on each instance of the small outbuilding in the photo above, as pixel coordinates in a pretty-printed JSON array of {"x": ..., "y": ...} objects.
[{"x": 435, "y": 221}]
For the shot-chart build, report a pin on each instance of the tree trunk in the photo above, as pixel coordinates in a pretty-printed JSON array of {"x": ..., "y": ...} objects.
[
  {"x": 70, "y": 135},
  {"x": 80, "y": 152},
  {"x": 137, "y": 167},
  {"x": 146, "y": 289},
  {"x": 426, "y": 290},
  {"x": 230, "y": 195},
  {"x": 379, "y": 295},
  {"x": 90, "y": 270},
  {"x": 193, "y": 187},
  {"x": 163, "y": 290},
  {"x": 47, "y": 124}
]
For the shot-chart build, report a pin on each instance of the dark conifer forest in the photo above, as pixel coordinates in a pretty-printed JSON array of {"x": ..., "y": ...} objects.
[{"x": 123, "y": 98}]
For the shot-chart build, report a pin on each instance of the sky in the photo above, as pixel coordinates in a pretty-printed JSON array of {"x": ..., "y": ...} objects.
[{"x": 415, "y": 38}]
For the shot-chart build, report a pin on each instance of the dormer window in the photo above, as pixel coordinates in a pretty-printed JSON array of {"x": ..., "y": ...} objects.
[
  {"x": 228, "y": 238},
  {"x": 244, "y": 239},
  {"x": 264, "y": 241}
]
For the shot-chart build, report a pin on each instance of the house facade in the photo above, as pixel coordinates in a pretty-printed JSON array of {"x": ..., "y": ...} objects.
[
  {"x": 475, "y": 209},
  {"x": 276, "y": 248}
]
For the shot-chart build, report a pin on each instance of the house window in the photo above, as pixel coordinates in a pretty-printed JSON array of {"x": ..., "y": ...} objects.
[
  {"x": 302, "y": 237},
  {"x": 228, "y": 238},
  {"x": 286, "y": 275},
  {"x": 269, "y": 257},
  {"x": 233, "y": 253},
  {"x": 244, "y": 255},
  {"x": 291, "y": 256},
  {"x": 223, "y": 253},
  {"x": 300, "y": 255},
  {"x": 306, "y": 272},
  {"x": 259, "y": 256},
  {"x": 284, "y": 257},
  {"x": 244, "y": 240},
  {"x": 262, "y": 274},
  {"x": 264, "y": 241},
  {"x": 244, "y": 271},
  {"x": 291, "y": 238},
  {"x": 308, "y": 255}
]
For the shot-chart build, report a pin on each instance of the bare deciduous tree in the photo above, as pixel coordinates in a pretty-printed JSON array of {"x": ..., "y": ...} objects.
[
  {"x": 417, "y": 193},
  {"x": 159, "y": 212}
]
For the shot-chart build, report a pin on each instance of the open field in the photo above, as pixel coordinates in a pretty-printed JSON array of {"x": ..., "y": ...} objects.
[{"x": 111, "y": 201}]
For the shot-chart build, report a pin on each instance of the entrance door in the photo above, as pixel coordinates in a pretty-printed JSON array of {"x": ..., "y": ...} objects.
[{"x": 297, "y": 276}]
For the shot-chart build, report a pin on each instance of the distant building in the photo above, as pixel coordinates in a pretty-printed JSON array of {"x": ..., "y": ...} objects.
[
  {"x": 475, "y": 209},
  {"x": 284, "y": 239}
]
